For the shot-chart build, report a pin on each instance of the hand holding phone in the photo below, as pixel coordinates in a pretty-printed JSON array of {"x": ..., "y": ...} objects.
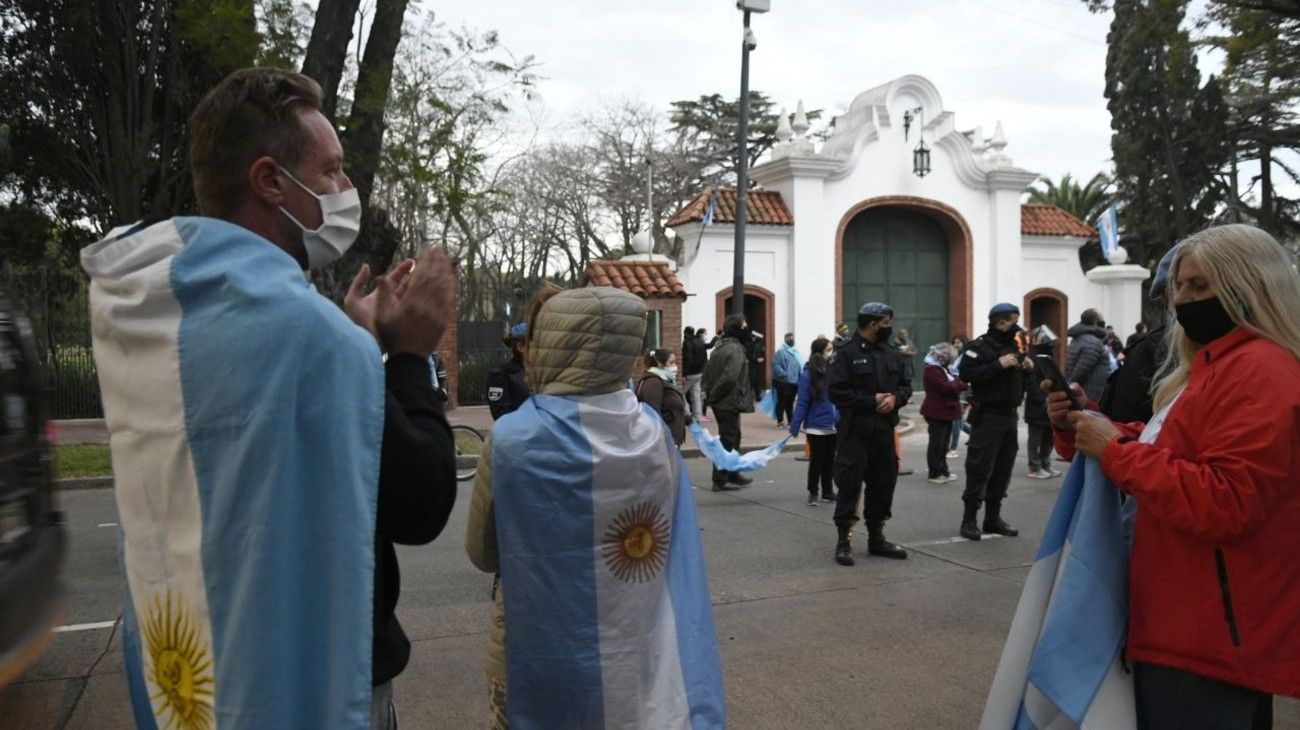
[{"x": 1047, "y": 370}]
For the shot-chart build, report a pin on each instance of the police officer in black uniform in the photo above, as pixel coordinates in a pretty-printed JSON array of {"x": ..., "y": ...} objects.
[
  {"x": 996, "y": 364},
  {"x": 507, "y": 387},
  {"x": 868, "y": 382}
]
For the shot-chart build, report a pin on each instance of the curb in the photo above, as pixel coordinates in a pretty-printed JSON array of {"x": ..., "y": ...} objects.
[{"x": 68, "y": 485}]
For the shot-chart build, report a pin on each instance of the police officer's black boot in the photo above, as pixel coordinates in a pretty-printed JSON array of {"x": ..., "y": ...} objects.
[
  {"x": 844, "y": 548},
  {"x": 969, "y": 529},
  {"x": 878, "y": 545},
  {"x": 993, "y": 522}
]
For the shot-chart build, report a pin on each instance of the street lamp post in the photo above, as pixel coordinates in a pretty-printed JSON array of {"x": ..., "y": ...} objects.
[{"x": 747, "y": 44}]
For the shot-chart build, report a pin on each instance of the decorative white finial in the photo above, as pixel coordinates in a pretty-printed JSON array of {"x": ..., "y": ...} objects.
[
  {"x": 783, "y": 130},
  {"x": 978, "y": 143},
  {"x": 800, "y": 125},
  {"x": 999, "y": 141},
  {"x": 1118, "y": 256},
  {"x": 642, "y": 243}
]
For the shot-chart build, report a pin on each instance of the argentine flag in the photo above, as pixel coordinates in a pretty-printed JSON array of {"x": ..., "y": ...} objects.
[
  {"x": 607, "y": 616},
  {"x": 1061, "y": 666},
  {"x": 1108, "y": 231},
  {"x": 245, "y": 413}
]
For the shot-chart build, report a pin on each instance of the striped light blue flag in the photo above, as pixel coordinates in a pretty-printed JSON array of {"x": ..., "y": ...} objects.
[
  {"x": 1061, "y": 666},
  {"x": 1108, "y": 231},
  {"x": 245, "y": 413},
  {"x": 711, "y": 209},
  {"x": 607, "y": 615},
  {"x": 728, "y": 460}
]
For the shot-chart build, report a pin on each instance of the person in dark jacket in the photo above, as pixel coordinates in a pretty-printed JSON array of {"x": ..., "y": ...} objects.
[
  {"x": 1138, "y": 332},
  {"x": 815, "y": 415},
  {"x": 868, "y": 384},
  {"x": 726, "y": 381},
  {"x": 1040, "y": 429},
  {"x": 507, "y": 383},
  {"x": 1088, "y": 361},
  {"x": 1128, "y": 392},
  {"x": 941, "y": 408},
  {"x": 995, "y": 367},
  {"x": 694, "y": 355},
  {"x": 658, "y": 389},
  {"x": 756, "y": 352}
]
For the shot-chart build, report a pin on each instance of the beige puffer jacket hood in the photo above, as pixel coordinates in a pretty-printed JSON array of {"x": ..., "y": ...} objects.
[{"x": 585, "y": 341}]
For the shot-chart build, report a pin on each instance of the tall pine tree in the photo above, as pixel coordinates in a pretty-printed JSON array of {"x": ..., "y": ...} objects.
[{"x": 1169, "y": 137}]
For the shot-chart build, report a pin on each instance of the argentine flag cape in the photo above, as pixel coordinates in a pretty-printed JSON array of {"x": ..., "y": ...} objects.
[
  {"x": 1061, "y": 666},
  {"x": 245, "y": 413},
  {"x": 607, "y": 616}
]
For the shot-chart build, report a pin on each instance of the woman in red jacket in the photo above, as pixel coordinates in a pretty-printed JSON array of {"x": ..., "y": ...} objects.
[
  {"x": 1214, "y": 580},
  {"x": 941, "y": 409}
]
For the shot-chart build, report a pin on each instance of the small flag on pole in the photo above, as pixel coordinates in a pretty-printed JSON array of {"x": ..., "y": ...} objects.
[
  {"x": 713, "y": 206},
  {"x": 1108, "y": 229}
]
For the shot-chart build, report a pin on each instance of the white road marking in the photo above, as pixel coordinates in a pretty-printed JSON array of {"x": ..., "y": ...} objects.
[
  {"x": 950, "y": 540},
  {"x": 108, "y": 524},
  {"x": 87, "y": 627}
]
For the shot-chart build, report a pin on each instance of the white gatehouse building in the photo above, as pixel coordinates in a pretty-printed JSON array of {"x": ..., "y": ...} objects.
[{"x": 831, "y": 226}]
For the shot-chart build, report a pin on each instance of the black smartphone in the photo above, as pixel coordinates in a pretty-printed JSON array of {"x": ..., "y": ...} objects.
[{"x": 1047, "y": 370}]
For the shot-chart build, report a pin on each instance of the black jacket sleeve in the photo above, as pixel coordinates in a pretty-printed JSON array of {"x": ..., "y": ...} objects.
[
  {"x": 904, "y": 391},
  {"x": 417, "y": 463}
]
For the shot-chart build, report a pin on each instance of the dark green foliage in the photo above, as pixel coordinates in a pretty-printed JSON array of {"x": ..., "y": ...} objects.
[
  {"x": 1169, "y": 138},
  {"x": 709, "y": 125}
]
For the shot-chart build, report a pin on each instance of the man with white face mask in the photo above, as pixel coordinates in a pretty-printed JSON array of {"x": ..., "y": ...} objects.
[{"x": 267, "y": 457}]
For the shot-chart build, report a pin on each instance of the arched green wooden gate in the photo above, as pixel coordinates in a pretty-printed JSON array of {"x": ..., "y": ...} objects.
[{"x": 899, "y": 257}]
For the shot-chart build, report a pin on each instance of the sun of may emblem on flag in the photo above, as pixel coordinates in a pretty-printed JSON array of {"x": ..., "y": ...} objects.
[
  {"x": 179, "y": 665},
  {"x": 636, "y": 543}
]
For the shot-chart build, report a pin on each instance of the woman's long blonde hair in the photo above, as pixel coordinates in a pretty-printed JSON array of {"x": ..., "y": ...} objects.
[{"x": 1255, "y": 280}]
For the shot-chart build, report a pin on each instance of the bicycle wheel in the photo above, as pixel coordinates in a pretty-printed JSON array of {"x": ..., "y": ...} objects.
[{"x": 469, "y": 444}]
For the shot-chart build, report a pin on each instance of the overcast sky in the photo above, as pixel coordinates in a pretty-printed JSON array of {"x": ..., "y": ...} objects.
[{"x": 1036, "y": 65}]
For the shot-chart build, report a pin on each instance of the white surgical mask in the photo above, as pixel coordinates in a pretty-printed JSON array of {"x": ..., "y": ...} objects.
[
  {"x": 340, "y": 223},
  {"x": 671, "y": 373}
]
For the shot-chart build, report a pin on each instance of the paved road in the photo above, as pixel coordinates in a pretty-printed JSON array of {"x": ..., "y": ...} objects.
[{"x": 805, "y": 643}]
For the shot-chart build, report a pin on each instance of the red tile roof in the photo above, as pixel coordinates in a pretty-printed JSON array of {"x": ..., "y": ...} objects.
[
  {"x": 1040, "y": 219},
  {"x": 642, "y": 278},
  {"x": 763, "y": 207}
]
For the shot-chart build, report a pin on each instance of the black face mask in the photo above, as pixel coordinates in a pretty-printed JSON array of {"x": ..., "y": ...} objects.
[
  {"x": 1204, "y": 321},
  {"x": 884, "y": 333}
]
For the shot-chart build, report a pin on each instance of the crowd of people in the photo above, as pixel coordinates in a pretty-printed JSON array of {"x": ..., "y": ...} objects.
[{"x": 581, "y": 508}]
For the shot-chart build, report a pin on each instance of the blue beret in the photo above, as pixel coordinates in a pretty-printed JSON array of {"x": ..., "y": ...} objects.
[
  {"x": 1003, "y": 308},
  {"x": 1160, "y": 282},
  {"x": 876, "y": 309},
  {"x": 519, "y": 331}
]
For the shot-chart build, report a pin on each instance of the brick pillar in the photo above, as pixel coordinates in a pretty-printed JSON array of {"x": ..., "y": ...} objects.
[{"x": 449, "y": 351}]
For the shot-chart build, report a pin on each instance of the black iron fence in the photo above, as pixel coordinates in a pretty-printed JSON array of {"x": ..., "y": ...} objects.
[
  {"x": 474, "y": 367},
  {"x": 60, "y": 320}
]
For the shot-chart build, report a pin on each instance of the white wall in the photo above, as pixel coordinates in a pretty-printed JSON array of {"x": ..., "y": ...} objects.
[{"x": 767, "y": 264}]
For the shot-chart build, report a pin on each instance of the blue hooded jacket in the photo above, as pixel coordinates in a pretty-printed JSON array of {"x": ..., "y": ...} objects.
[
  {"x": 813, "y": 414},
  {"x": 786, "y": 365}
]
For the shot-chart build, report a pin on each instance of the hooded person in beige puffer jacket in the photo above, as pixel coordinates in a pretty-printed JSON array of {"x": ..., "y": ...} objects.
[{"x": 581, "y": 348}]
